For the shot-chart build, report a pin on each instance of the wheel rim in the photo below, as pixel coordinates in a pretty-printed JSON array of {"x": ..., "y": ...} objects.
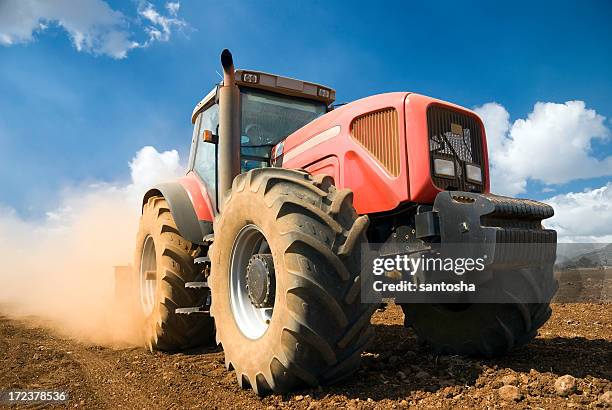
[
  {"x": 148, "y": 276},
  {"x": 252, "y": 321}
]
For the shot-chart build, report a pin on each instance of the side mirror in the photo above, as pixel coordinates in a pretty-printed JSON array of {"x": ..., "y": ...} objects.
[{"x": 208, "y": 136}]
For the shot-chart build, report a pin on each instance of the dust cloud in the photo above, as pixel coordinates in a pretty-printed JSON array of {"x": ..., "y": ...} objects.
[{"x": 59, "y": 272}]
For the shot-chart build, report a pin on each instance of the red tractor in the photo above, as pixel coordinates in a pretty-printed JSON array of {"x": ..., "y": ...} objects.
[{"x": 259, "y": 243}]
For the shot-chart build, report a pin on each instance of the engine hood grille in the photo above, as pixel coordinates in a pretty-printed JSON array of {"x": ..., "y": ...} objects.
[{"x": 457, "y": 137}]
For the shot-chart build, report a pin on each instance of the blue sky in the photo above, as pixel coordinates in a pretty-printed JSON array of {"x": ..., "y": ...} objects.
[{"x": 70, "y": 117}]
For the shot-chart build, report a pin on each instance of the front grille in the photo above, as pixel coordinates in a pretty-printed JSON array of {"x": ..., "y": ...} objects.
[
  {"x": 457, "y": 137},
  {"x": 378, "y": 132}
]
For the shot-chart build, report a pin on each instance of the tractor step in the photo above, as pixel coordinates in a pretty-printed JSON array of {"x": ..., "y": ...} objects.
[
  {"x": 196, "y": 285},
  {"x": 191, "y": 311},
  {"x": 201, "y": 259}
]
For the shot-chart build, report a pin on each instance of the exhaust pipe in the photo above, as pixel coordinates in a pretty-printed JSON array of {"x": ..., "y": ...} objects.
[{"x": 228, "y": 165}]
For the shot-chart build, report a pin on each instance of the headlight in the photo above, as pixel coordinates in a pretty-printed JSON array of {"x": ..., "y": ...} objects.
[
  {"x": 444, "y": 167},
  {"x": 473, "y": 173}
]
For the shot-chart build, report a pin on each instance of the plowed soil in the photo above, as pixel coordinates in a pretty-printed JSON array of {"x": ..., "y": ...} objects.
[{"x": 396, "y": 372}]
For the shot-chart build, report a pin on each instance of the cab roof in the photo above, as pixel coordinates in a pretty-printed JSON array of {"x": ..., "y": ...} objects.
[{"x": 273, "y": 83}]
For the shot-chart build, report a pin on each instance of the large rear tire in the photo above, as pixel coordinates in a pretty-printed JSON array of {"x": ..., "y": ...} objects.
[
  {"x": 315, "y": 326},
  {"x": 164, "y": 262},
  {"x": 486, "y": 329}
]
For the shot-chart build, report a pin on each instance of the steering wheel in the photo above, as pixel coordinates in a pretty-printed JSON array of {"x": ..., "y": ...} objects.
[{"x": 255, "y": 134}]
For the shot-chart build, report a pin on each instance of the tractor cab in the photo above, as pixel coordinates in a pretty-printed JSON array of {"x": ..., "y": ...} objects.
[{"x": 270, "y": 108}]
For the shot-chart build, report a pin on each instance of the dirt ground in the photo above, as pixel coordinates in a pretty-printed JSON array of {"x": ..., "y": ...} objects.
[{"x": 396, "y": 372}]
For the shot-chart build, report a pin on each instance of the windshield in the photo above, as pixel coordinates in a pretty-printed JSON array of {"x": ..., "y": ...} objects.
[{"x": 269, "y": 118}]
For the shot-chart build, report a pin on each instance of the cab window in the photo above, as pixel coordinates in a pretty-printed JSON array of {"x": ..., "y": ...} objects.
[
  {"x": 269, "y": 118},
  {"x": 205, "y": 159}
]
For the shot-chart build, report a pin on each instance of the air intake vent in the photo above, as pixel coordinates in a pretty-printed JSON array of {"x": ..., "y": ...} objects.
[{"x": 378, "y": 132}]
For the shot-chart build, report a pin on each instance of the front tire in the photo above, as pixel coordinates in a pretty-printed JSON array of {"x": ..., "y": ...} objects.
[
  {"x": 313, "y": 328},
  {"x": 487, "y": 329}
]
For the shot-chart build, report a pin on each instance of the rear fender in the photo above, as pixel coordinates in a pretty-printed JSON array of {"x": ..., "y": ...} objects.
[{"x": 182, "y": 210}]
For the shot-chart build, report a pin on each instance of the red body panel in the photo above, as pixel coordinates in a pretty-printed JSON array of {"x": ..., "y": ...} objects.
[
  {"x": 352, "y": 166},
  {"x": 199, "y": 196},
  {"x": 321, "y": 148}
]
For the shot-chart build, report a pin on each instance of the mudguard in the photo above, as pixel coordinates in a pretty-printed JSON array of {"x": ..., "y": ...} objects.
[{"x": 182, "y": 211}]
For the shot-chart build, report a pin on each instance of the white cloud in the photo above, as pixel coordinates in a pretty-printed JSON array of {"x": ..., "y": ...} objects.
[
  {"x": 161, "y": 27},
  {"x": 61, "y": 268},
  {"x": 150, "y": 166},
  {"x": 173, "y": 7},
  {"x": 552, "y": 145},
  {"x": 583, "y": 217},
  {"x": 92, "y": 25}
]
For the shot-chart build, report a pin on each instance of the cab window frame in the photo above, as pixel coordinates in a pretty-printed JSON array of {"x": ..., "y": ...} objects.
[{"x": 196, "y": 144}]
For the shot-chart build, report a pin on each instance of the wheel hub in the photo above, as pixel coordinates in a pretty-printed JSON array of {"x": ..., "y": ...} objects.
[
  {"x": 252, "y": 283},
  {"x": 260, "y": 280}
]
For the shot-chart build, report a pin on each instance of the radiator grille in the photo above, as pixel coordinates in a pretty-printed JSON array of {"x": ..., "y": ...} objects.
[
  {"x": 457, "y": 137},
  {"x": 378, "y": 132}
]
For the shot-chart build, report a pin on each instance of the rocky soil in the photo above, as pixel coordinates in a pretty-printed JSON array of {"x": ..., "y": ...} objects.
[{"x": 568, "y": 365}]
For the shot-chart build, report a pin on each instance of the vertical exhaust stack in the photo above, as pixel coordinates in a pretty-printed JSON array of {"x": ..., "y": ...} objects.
[{"x": 229, "y": 129}]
